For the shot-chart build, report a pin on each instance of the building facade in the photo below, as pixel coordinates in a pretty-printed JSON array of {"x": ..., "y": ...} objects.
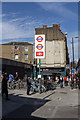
[
  {"x": 17, "y": 55},
  {"x": 78, "y": 66},
  {"x": 18, "y": 51},
  {"x": 56, "y": 51}
]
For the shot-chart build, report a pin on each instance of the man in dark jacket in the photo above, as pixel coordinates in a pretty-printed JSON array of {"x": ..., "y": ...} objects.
[
  {"x": 28, "y": 85},
  {"x": 16, "y": 77},
  {"x": 4, "y": 85}
]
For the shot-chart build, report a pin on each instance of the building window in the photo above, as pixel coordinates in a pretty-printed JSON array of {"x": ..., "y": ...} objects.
[
  {"x": 26, "y": 49},
  {"x": 16, "y": 56},
  {"x": 26, "y": 56}
]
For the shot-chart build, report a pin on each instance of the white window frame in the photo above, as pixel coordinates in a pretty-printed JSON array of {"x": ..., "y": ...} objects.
[
  {"x": 26, "y": 49},
  {"x": 16, "y": 56},
  {"x": 26, "y": 57}
]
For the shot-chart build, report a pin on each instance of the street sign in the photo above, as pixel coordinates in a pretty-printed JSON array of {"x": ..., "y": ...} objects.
[
  {"x": 39, "y": 76},
  {"x": 39, "y": 46},
  {"x": 39, "y": 63}
]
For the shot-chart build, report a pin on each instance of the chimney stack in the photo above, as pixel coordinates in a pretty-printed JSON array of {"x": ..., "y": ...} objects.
[
  {"x": 44, "y": 26},
  {"x": 59, "y": 26},
  {"x": 56, "y": 25}
]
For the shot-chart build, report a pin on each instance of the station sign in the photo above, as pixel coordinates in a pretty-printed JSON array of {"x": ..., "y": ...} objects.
[{"x": 39, "y": 46}]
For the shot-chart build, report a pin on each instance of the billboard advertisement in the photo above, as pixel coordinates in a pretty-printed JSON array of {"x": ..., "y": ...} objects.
[{"x": 39, "y": 46}]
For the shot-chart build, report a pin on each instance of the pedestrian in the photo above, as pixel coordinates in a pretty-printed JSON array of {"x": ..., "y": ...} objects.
[
  {"x": 45, "y": 83},
  {"x": 67, "y": 80},
  {"x": 28, "y": 85},
  {"x": 79, "y": 80},
  {"x": 35, "y": 86},
  {"x": 56, "y": 81},
  {"x": 72, "y": 82},
  {"x": 11, "y": 79},
  {"x": 75, "y": 82},
  {"x": 61, "y": 81},
  {"x": 4, "y": 85},
  {"x": 16, "y": 76}
]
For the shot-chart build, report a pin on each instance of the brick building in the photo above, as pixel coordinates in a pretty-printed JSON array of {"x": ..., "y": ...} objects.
[
  {"x": 17, "y": 56},
  {"x": 56, "y": 51}
]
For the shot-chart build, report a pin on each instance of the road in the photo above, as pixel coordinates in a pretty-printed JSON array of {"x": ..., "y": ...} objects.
[{"x": 58, "y": 103}]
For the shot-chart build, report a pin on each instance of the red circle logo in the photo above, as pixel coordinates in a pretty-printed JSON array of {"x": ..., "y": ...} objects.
[
  {"x": 39, "y": 46},
  {"x": 39, "y": 38}
]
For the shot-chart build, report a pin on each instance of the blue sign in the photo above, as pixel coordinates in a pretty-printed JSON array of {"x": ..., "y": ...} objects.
[{"x": 73, "y": 70}]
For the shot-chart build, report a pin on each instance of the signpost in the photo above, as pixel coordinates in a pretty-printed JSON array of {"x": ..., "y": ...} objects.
[
  {"x": 39, "y": 46},
  {"x": 39, "y": 52},
  {"x": 39, "y": 63},
  {"x": 39, "y": 76}
]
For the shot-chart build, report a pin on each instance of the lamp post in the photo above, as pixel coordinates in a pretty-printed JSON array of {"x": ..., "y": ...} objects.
[
  {"x": 73, "y": 49},
  {"x": 13, "y": 51},
  {"x": 34, "y": 64}
]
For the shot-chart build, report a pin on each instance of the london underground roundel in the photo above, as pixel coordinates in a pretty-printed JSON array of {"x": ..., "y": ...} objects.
[
  {"x": 39, "y": 38},
  {"x": 39, "y": 46}
]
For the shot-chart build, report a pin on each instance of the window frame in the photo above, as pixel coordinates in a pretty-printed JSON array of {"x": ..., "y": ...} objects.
[
  {"x": 17, "y": 57},
  {"x": 25, "y": 57},
  {"x": 25, "y": 48}
]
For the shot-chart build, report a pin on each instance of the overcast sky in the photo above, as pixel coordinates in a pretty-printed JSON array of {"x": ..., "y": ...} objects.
[{"x": 19, "y": 20}]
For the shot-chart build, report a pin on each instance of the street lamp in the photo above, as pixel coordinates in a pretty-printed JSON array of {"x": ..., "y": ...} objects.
[{"x": 73, "y": 49}]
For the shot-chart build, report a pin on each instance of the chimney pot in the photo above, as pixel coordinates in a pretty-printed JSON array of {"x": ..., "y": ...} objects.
[
  {"x": 59, "y": 26},
  {"x": 44, "y": 26},
  {"x": 56, "y": 25}
]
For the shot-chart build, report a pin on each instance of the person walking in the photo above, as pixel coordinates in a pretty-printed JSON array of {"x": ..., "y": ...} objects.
[
  {"x": 16, "y": 76},
  {"x": 79, "y": 81},
  {"x": 75, "y": 82},
  {"x": 72, "y": 82},
  {"x": 11, "y": 79},
  {"x": 61, "y": 81},
  {"x": 67, "y": 80},
  {"x": 4, "y": 85},
  {"x": 28, "y": 85}
]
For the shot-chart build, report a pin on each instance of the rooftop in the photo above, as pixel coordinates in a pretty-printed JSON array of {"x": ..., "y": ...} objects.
[{"x": 17, "y": 43}]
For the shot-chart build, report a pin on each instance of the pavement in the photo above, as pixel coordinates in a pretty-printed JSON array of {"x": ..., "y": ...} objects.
[{"x": 59, "y": 103}]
